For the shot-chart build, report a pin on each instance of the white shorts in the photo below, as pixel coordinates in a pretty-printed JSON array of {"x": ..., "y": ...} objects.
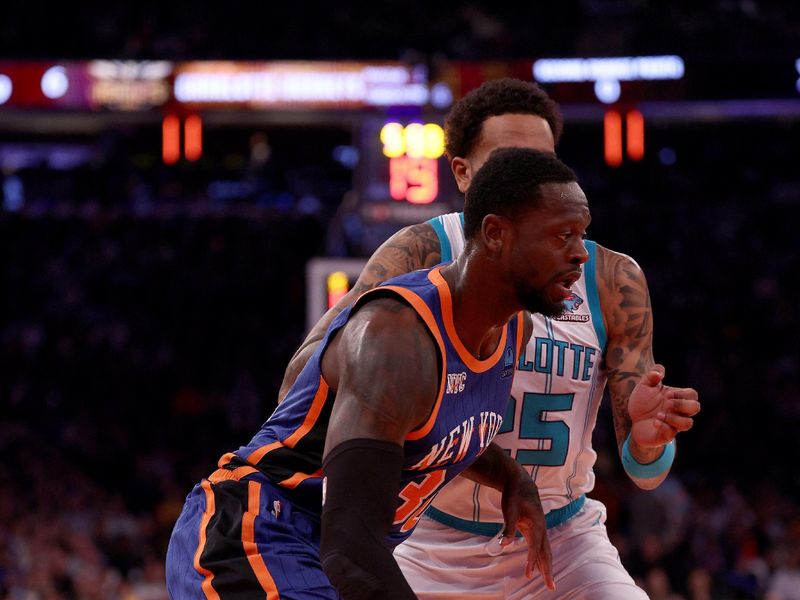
[{"x": 441, "y": 562}]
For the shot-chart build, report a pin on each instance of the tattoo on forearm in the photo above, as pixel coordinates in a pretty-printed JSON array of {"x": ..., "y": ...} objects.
[{"x": 630, "y": 327}]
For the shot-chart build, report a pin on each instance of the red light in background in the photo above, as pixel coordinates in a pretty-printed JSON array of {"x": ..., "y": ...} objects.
[
  {"x": 634, "y": 124},
  {"x": 170, "y": 139},
  {"x": 612, "y": 138},
  {"x": 193, "y": 137}
]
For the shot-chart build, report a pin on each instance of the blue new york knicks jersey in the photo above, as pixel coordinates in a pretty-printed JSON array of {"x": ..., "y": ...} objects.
[{"x": 467, "y": 413}]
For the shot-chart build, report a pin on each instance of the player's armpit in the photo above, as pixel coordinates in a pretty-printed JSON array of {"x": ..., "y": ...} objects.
[
  {"x": 413, "y": 247},
  {"x": 625, "y": 303}
]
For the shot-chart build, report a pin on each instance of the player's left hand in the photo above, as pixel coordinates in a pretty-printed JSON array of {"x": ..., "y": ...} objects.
[
  {"x": 658, "y": 412},
  {"x": 522, "y": 510}
]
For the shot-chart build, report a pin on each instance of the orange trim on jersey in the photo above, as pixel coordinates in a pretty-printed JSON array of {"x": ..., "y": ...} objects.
[
  {"x": 259, "y": 453},
  {"x": 249, "y": 541},
  {"x": 474, "y": 364},
  {"x": 427, "y": 316},
  {"x": 236, "y": 474},
  {"x": 298, "y": 478},
  {"x": 308, "y": 423},
  {"x": 311, "y": 416},
  {"x": 225, "y": 459},
  {"x": 520, "y": 332},
  {"x": 208, "y": 590}
]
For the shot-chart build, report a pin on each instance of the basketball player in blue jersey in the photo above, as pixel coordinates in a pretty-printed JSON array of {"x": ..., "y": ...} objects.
[
  {"x": 406, "y": 390},
  {"x": 603, "y": 338}
]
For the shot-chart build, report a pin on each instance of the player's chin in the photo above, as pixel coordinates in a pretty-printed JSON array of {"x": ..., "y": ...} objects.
[
  {"x": 553, "y": 303},
  {"x": 554, "y": 309},
  {"x": 548, "y": 301},
  {"x": 546, "y": 307}
]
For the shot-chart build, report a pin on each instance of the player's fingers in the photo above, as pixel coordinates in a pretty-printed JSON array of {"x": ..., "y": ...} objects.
[
  {"x": 526, "y": 527},
  {"x": 532, "y": 560},
  {"x": 682, "y": 393},
  {"x": 665, "y": 430},
  {"x": 685, "y": 408},
  {"x": 675, "y": 421},
  {"x": 654, "y": 376},
  {"x": 544, "y": 563}
]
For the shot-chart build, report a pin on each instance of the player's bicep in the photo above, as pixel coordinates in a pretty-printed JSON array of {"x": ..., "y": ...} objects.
[{"x": 388, "y": 375}]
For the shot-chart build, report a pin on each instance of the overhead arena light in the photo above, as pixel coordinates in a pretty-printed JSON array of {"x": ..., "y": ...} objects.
[{"x": 607, "y": 73}]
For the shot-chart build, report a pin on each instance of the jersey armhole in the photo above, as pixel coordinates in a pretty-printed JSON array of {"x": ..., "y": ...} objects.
[
  {"x": 590, "y": 268},
  {"x": 444, "y": 242}
]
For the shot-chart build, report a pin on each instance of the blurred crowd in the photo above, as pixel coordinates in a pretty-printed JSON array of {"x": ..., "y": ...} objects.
[
  {"x": 404, "y": 29},
  {"x": 137, "y": 346}
]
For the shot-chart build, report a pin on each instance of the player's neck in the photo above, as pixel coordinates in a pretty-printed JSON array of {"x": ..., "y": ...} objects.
[{"x": 481, "y": 306}]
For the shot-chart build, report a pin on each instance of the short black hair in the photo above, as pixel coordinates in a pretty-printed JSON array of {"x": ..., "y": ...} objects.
[
  {"x": 509, "y": 182},
  {"x": 462, "y": 125}
]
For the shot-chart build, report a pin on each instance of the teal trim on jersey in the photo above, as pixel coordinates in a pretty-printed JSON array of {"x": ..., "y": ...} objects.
[
  {"x": 444, "y": 241},
  {"x": 658, "y": 467},
  {"x": 461, "y": 216},
  {"x": 552, "y": 519},
  {"x": 590, "y": 268}
]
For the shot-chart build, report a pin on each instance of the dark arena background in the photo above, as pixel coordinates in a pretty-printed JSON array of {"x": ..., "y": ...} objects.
[{"x": 184, "y": 191}]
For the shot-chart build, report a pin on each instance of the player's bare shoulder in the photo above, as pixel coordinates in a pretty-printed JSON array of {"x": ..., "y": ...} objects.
[{"x": 382, "y": 333}]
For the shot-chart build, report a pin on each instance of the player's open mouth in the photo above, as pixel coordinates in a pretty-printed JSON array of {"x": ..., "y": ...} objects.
[{"x": 564, "y": 283}]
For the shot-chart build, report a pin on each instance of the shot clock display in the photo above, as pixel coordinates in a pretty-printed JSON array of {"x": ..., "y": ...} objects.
[
  {"x": 413, "y": 151},
  {"x": 402, "y": 176}
]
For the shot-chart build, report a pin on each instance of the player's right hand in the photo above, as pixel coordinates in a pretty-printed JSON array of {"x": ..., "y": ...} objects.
[{"x": 659, "y": 412}]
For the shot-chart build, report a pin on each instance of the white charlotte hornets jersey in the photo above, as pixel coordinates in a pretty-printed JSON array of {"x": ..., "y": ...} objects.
[{"x": 557, "y": 390}]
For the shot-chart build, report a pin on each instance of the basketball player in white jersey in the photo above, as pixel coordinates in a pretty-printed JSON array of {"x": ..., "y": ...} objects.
[{"x": 604, "y": 338}]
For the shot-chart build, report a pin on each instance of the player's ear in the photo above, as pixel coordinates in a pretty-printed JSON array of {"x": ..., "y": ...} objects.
[
  {"x": 462, "y": 171},
  {"x": 495, "y": 230}
]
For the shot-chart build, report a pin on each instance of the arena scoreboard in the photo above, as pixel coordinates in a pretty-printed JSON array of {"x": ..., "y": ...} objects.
[{"x": 402, "y": 177}]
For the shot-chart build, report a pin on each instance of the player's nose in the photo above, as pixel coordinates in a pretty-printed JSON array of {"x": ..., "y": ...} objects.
[{"x": 578, "y": 252}]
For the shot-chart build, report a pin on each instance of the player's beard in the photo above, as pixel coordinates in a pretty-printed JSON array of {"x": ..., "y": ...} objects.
[{"x": 535, "y": 300}]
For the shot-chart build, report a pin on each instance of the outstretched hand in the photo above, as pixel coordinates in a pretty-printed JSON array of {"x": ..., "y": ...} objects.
[
  {"x": 522, "y": 510},
  {"x": 658, "y": 412}
]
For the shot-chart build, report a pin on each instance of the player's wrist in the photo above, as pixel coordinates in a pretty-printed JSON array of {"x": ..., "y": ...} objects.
[
  {"x": 644, "y": 454},
  {"x": 646, "y": 463}
]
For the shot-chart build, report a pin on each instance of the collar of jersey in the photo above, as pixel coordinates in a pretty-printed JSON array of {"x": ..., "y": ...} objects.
[{"x": 474, "y": 364}]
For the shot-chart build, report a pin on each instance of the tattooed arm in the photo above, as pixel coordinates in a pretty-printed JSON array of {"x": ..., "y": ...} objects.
[
  {"x": 414, "y": 247},
  {"x": 651, "y": 413}
]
